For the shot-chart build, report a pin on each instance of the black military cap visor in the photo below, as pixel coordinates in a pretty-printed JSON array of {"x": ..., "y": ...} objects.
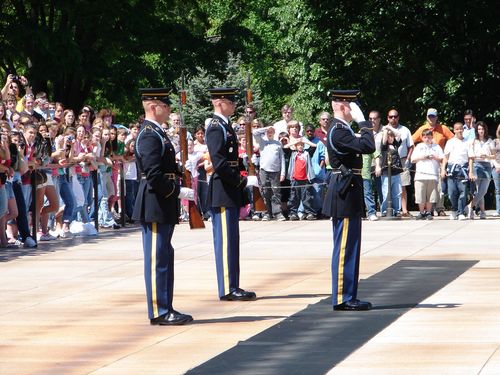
[
  {"x": 344, "y": 95},
  {"x": 229, "y": 93},
  {"x": 161, "y": 94}
]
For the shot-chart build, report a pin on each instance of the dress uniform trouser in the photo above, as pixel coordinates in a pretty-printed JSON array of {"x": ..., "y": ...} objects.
[
  {"x": 158, "y": 267},
  {"x": 226, "y": 233},
  {"x": 345, "y": 259}
]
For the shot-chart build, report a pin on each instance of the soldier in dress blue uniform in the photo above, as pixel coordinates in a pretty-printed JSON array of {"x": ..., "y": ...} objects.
[
  {"x": 157, "y": 207},
  {"x": 344, "y": 199},
  {"x": 226, "y": 194}
]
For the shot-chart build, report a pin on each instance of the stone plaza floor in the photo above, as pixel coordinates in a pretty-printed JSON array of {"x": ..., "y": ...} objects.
[{"x": 77, "y": 306}]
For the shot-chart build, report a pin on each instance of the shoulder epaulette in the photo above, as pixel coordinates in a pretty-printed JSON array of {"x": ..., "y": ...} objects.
[
  {"x": 216, "y": 123},
  {"x": 148, "y": 128}
]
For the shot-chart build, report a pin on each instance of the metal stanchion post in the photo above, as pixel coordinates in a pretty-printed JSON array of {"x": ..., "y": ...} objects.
[
  {"x": 122, "y": 195},
  {"x": 96, "y": 200},
  {"x": 390, "y": 211},
  {"x": 33, "y": 205}
]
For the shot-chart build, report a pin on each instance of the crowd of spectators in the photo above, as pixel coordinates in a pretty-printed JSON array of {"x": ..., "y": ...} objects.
[
  {"x": 59, "y": 150},
  {"x": 48, "y": 157},
  {"x": 294, "y": 170}
]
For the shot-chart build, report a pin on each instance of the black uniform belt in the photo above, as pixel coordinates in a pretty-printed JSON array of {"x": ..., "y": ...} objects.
[
  {"x": 233, "y": 163},
  {"x": 170, "y": 176},
  {"x": 355, "y": 171}
]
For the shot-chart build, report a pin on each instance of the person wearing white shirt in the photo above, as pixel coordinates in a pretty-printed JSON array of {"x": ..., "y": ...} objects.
[
  {"x": 287, "y": 114},
  {"x": 480, "y": 157},
  {"x": 454, "y": 169},
  {"x": 427, "y": 156}
]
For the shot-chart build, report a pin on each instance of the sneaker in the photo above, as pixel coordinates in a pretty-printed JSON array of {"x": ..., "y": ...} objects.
[
  {"x": 462, "y": 217},
  {"x": 453, "y": 215},
  {"x": 421, "y": 216},
  {"x": 406, "y": 215},
  {"x": 46, "y": 237},
  {"x": 280, "y": 217},
  {"x": 294, "y": 217},
  {"x": 471, "y": 214},
  {"x": 429, "y": 216},
  {"x": 256, "y": 217},
  {"x": 16, "y": 242},
  {"x": 482, "y": 215},
  {"x": 55, "y": 233},
  {"x": 441, "y": 213},
  {"x": 373, "y": 217},
  {"x": 310, "y": 217},
  {"x": 266, "y": 217},
  {"x": 30, "y": 242},
  {"x": 496, "y": 214},
  {"x": 66, "y": 234}
]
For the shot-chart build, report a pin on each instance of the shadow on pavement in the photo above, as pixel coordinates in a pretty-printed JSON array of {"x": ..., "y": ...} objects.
[
  {"x": 60, "y": 244},
  {"x": 237, "y": 319},
  {"x": 317, "y": 338}
]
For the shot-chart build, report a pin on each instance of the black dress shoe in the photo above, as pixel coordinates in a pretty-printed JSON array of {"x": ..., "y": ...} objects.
[
  {"x": 116, "y": 226},
  {"x": 354, "y": 305},
  {"x": 172, "y": 318},
  {"x": 239, "y": 295}
]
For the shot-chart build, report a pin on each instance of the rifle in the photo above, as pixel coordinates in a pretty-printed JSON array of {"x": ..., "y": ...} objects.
[
  {"x": 258, "y": 201},
  {"x": 195, "y": 219}
]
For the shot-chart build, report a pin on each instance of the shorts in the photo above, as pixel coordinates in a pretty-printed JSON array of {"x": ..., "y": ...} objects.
[
  {"x": 426, "y": 191},
  {"x": 3, "y": 201},
  {"x": 405, "y": 175},
  {"x": 9, "y": 191},
  {"x": 50, "y": 181}
]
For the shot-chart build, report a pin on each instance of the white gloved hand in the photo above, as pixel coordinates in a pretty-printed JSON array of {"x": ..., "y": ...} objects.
[
  {"x": 188, "y": 165},
  {"x": 252, "y": 181},
  {"x": 356, "y": 113},
  {"x": 255, "y": 159},
  {"x": 186, "y": 193}
]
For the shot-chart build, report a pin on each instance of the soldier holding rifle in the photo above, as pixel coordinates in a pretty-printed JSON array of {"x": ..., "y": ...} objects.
[
  {"x": 226, "y": 194},
  {"x": 157, "y": 207}
]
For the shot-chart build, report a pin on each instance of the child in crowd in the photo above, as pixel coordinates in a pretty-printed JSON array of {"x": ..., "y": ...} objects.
[
  {"x": 300, "y": 173},
  {"x": 427, "y": 156},
  {"x": 272, "y": 170}
]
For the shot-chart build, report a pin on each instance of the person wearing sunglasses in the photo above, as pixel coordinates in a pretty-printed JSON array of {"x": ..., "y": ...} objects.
[{"x": 405, "y": 150}]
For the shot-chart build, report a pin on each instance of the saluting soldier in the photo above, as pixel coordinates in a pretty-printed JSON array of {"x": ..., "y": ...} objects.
[
  {"x": 157, "y": 207},
  {"x": 344, "y": 199},
  {"x": 226, "y": 194}
]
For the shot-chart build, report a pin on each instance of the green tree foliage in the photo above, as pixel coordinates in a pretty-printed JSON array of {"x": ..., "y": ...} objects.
[
  {"x": 410, "y": 55},
  {"x": 101, "y": 52},
  {"x": 199, "y": 107}
]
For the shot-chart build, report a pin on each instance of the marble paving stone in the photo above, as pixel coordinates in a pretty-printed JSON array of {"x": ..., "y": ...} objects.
[{"x": 78, "y": 306}]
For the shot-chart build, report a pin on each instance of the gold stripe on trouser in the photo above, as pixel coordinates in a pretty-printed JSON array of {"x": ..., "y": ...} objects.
[
  {"x": 343, "y": 243},
  {"x": 154, "y": 302},
  {"x": 225, "y": 249}
]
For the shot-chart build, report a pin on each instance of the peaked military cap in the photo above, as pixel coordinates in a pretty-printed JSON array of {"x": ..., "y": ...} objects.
[
  {"x": 161, "y": 94},
  {"x": 229, "y": 93},
  {"x": 344, "y": 95}
]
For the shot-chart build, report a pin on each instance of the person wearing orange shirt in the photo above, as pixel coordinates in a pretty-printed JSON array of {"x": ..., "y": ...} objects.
[
  {"x": 440, "y": 135},
  {"x": 440, "y": 132}
]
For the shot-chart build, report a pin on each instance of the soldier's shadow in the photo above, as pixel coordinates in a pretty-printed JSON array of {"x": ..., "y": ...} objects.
[
  {"x": 238, "y": 319},
  {"x": 295, "y": 296}
]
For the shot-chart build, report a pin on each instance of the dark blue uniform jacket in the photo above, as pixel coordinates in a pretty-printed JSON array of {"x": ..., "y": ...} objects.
[
  {"x": 157, "y": 197},
  {"x": 345, "y": 148}
]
